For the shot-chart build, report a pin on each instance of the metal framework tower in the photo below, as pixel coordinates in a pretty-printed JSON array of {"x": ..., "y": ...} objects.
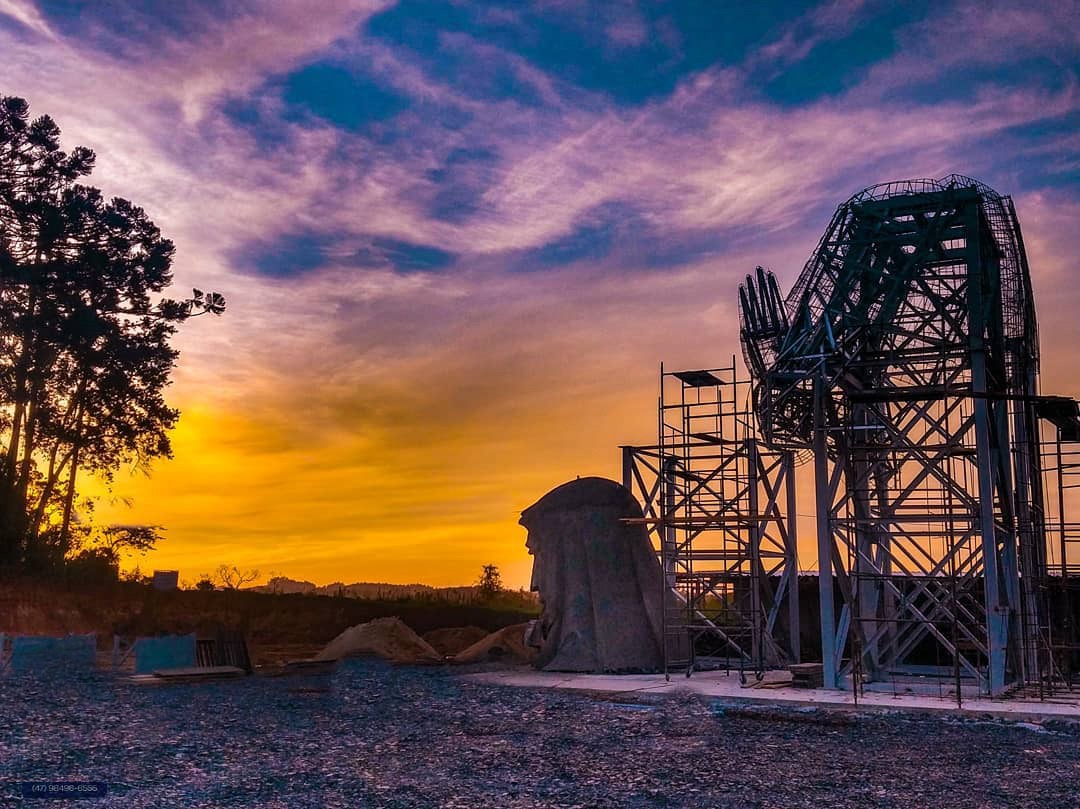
[
  {"x": 1059, "y": 586},
  {"x": 720, "y": 508},
  {"x": 904, "y": 365},
  {"x": 905, "y": 361}
]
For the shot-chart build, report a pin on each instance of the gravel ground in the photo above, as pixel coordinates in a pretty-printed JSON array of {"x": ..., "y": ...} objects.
[{"x": 396, "y": 737}]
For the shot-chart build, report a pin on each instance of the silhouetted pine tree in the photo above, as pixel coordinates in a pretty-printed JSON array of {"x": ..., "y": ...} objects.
[{"x": 84, "y": 334}]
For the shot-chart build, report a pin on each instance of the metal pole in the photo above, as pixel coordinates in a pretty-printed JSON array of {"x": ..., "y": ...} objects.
[
  {"x": 1061, "y": 508},
  {"x": 997, "y": 618},
  {"x": 788, "y": 465},
  {"x": 824, "y": 539},
  {"x": 757, "y": 642}
]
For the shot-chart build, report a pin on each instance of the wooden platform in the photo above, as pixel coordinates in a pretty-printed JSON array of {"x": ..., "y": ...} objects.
[
  {"x": 298, "y": 668},
  {"x": 189, "y": 674}
]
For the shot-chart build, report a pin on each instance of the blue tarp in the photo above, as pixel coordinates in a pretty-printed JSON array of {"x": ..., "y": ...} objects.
[
  {"x": 165, "y": 652},
  {"x": 32, "y": 653}
]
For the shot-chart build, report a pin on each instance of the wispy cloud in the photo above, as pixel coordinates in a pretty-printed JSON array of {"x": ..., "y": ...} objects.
[
  {"x": 25, "y": 13},
  {"x": 355, "y": 404},
  {"x": 977, "y": 34},
  {"x": 828, "y": 21}
]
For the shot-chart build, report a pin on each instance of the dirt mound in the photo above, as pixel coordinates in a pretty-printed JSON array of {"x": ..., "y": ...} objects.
[
  {"x": 454, "y": 639},
  {"x": 507, "y": 645},
  {"x": 388, "y": 638}
]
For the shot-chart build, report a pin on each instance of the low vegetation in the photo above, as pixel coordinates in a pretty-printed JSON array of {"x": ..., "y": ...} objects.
[{"x": 278, "y": 625}]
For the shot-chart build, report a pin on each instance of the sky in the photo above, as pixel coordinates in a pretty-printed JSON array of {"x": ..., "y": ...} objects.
[{"x": 458, "y": 238}]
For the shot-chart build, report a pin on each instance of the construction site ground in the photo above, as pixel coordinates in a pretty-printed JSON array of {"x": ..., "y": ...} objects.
[{"x": 376, "y": 735}]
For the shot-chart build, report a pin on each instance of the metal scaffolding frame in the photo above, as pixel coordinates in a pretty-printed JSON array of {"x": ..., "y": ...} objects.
[
  {"x": 720, "y": 509},
  {"x": 905, "y": 360},
  {"x": 1058, "y": 624},
  {"x": 904, "y": 365}
]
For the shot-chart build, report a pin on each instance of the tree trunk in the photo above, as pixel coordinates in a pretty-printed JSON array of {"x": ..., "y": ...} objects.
[
  {"x": 22, "y": 374},
  {"x": 69, "y": 499},
  {"x": 55, "y": 471},
  {"x": 13, "y": 507}
]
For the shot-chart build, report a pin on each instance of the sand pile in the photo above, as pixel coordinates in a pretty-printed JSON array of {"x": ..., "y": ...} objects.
[
  {"x": 506, "y": 645},
  {"x": 388, "y": 638},
  {"x": 454, "y": 639}
]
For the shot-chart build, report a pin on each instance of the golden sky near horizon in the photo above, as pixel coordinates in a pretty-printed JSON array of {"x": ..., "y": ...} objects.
[{"x": 421, "y": 476}]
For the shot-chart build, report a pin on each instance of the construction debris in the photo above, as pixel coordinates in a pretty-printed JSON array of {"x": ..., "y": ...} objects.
[
  {"x": 773, "y": 678},
  {"x": 193, "y": 674},
  {"x": 454, "y": 640},
  {"x": 807, "y": 675},
  {"x": 388, "y": 638},
  {"x": 505, "y": 646}
]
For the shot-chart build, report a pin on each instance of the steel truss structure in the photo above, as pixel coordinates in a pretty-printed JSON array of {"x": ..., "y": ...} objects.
[
  {"x": 905, "y": 361},
  {"x": 720, "y": 507},
  {"x": 1059, "y": 586},
  {"x": 904, "y": 364}
]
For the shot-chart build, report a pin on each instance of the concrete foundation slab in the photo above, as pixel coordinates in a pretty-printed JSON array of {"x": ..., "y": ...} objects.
[{"x": 726, "y": 687}]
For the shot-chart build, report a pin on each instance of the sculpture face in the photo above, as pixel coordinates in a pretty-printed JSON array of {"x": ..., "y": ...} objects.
[
  {"x": 531, "y": 546},
  {"x": 542, "y": 582},
  {"x": 598, "y": 580}
]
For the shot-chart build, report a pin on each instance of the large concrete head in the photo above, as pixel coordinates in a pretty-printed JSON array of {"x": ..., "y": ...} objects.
[{"x": 600, "y": 584}]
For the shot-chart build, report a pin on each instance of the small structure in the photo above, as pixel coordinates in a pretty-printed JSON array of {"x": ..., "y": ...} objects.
[
  {"x": 184, "y": 658},
  {"x": 227, "y": 647},
  {"x": 166, "y": 580}
]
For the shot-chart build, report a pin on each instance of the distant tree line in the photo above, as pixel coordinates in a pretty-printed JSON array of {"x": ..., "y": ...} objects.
[{"x": 85, "y": 350}]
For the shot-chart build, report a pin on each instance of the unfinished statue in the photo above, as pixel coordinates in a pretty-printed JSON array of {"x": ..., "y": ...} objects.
[{"x": 601, "y": 588}]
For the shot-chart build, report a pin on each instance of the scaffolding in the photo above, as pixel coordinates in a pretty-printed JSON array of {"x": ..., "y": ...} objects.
[
  {"x": 901, "y": 374},
  {"x": 719, "y": 507},
  {"x": 1059, "y": 586},
  {"x": 905, "y": 360}
]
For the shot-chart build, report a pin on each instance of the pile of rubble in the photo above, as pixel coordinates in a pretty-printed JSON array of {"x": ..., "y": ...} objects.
[{"x": 392, "y": 640}]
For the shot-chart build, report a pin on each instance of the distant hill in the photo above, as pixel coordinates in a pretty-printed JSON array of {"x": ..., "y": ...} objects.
[{"x": 368, "y": 590}]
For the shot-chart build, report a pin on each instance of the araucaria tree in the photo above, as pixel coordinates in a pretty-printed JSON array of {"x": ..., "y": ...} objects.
[{"x": 84, "y": 335}]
